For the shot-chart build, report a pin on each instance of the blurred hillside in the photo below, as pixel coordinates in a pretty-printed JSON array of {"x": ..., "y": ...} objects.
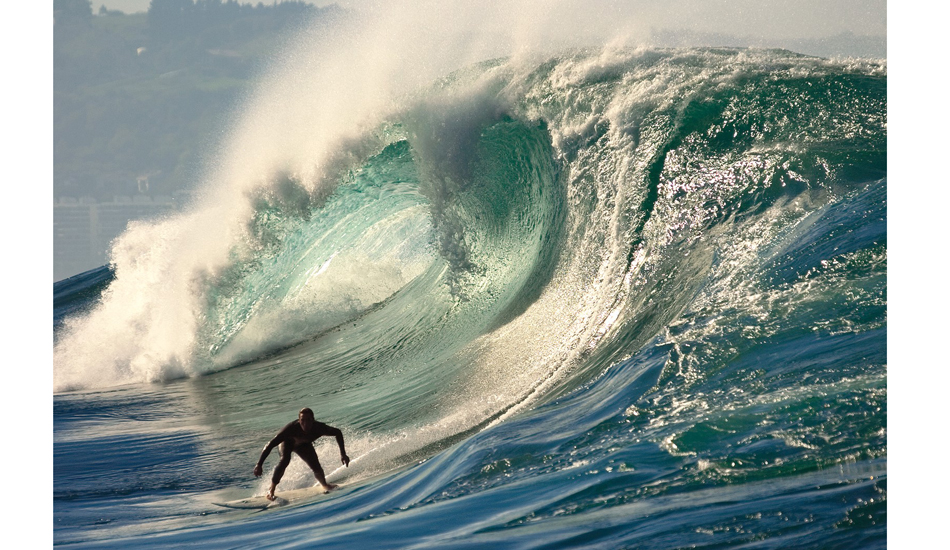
[{"x": 137, "y": 98}]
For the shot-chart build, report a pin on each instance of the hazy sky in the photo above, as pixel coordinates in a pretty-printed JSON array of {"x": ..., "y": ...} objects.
[
  {"x": 132, "y": 6},
  {"x": 760, "y": 18}
]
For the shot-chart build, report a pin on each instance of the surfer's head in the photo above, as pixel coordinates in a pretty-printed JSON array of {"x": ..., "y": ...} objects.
[{"x": 306, "y": 418}]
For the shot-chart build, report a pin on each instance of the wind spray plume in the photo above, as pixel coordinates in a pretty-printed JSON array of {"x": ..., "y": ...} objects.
[{"x": 312, "y": 116}]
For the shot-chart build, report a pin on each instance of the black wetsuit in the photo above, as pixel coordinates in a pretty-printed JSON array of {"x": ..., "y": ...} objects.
[{"x": 293, "y": 439}]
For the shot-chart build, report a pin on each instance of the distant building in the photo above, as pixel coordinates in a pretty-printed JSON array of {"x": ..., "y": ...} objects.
[{"x": 84, "y": 228}]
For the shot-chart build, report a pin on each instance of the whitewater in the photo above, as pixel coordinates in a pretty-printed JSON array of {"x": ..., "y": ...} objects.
[{"x": 556, "y": 292}]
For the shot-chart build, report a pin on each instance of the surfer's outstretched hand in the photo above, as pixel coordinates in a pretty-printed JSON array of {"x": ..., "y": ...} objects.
[
  {"x": 258, "y": 471},
  {"x": 345, "y": 460}
]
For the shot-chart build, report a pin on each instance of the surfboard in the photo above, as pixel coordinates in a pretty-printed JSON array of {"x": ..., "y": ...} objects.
[{"x": 260, "y": 502}]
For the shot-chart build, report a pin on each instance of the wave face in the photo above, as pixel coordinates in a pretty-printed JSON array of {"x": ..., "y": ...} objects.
[{"x": 611, "y": 297}]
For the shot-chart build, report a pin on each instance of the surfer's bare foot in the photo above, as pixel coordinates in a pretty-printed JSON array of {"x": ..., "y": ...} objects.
[
  {"x": 329, "y": 487},
  {"x": 270, "y": 495}
]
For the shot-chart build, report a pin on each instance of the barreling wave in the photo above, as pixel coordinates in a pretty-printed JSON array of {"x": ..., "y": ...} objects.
[{"x": 499, "y": 236}]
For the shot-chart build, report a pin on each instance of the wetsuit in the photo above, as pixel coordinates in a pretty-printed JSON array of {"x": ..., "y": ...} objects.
[{"x": 293, "y": 439}]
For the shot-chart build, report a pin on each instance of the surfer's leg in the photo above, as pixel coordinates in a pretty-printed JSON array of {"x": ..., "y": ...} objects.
[
  {"x": 285, "y": 453},
  {"x": 309, "y": 455}
]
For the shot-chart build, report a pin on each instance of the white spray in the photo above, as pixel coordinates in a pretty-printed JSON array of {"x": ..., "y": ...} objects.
[{"x": 313, "y": 115}]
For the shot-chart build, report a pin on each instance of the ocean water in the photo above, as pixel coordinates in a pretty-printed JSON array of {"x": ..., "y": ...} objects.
[{"x": 604, "y": 298}]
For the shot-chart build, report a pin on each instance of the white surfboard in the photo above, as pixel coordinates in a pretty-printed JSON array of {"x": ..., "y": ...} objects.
[{"x": 283, "y": 497}]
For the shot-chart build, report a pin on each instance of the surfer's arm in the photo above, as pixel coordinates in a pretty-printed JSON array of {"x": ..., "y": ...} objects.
[
  {"x": 259, "y": 467},
  {"x": 267, "y": 449},
  {"x": 278, "y": 439},
  {"x": 338, "y": 434}
]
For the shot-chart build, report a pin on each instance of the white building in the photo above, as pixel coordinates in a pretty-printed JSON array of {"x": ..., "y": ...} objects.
[{"x": 84, "y": 228}]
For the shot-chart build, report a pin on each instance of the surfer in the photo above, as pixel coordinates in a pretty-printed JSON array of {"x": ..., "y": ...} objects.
[{"x": 298, "y": 437}]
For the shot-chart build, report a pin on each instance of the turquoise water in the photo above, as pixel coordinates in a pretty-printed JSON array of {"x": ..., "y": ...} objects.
[{"x": 617, "y": 298}]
